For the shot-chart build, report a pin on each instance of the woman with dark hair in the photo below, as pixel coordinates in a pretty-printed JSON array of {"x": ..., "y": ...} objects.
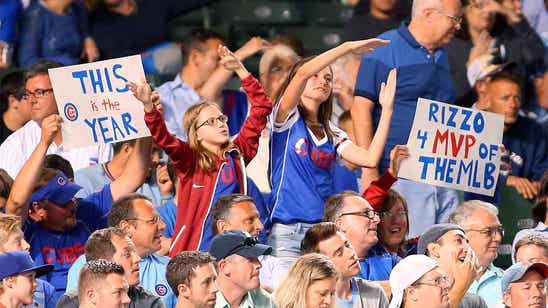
[
  {"x": 394, "y": 227},
  {"x": 497, "y": 27},
  {"x": 304, "y": 144}
]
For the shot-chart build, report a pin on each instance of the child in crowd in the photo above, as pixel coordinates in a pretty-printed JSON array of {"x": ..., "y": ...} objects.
[{"x": 210, "y": 165}]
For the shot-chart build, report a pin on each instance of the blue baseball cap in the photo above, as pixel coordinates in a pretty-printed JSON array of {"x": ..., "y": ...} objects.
[
  {"x": 58, "y": 190},
  {"x": 518, "y": 270},
  {"x": 237, "y": 242},
  {"x": 19, "y": 262}
]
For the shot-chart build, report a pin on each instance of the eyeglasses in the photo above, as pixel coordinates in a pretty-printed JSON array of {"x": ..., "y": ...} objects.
[
  {"x": 152, "y": 221},
  {"x": 367, "y": 213},
  {"x": 38, "y": 93},
  {"x": 248, "y": 242},
  {"x": 489, "y": 232},
  {"x": 438, "y": 282},
  {"x": 389, "y": 215},
  {"x": 211, "y": 121},
  {"x": 454, "y": 19}
]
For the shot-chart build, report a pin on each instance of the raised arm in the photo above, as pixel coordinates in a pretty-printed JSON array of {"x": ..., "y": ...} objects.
[
  {"x": 213, "y": 87},
  {"x": 370, "y": 158},
  {"x": 179, "y": 152},
  {"x": 296, "y": 86},
  {"x": 261, "y": 106},
  {"x": 29, "y": 175},
  {"x": 134, "y": 173}
]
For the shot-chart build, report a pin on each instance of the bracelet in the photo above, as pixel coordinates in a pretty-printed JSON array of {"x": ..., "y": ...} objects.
[{"x": 170, "y": 197}]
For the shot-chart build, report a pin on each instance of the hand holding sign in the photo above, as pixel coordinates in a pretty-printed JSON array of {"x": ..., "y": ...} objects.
[
  {"x": 143, "y": 93},
  {"x": 51, "y": 126},
  {"x": 398, "y": 153}
]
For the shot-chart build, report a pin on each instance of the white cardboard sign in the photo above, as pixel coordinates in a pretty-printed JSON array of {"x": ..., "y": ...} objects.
[
  {"x": 455, "y": 147},
  {"x": 96, "y": 104}
]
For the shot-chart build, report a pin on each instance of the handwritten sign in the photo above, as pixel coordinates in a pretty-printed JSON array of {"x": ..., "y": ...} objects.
[
  {"x": 454, "y": 147},
  {"x": 96, "y": 104}
]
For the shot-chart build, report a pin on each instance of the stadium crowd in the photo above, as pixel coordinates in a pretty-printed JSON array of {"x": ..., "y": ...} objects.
[{"x": 284, "y": 192}]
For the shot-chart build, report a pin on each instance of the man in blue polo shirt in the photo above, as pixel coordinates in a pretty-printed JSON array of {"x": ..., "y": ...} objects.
[{"x": 416, "y": 50}]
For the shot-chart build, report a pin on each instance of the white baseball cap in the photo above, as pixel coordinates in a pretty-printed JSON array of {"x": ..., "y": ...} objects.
[{"x": 407, "y": 272}]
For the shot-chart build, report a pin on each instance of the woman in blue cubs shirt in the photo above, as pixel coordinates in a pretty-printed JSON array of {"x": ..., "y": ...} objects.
[{"x": 304, "y": 145}]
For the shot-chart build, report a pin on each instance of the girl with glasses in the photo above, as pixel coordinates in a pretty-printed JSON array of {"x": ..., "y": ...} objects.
[{"x": 209, "y": 165}]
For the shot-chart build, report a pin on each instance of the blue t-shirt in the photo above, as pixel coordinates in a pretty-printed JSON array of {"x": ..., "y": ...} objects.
[
  {"x": 420, "y": 74},
  {"x": 378, "y": 265},
  {"x": 63, "y": 248},
  {"x": 301, "y": 169},
  {"x": 227, "y": 183},
  {"x": 44, "y": 296},
  {"x": 344, "y": 178},
  {"x": 168, "y": 213},
  {"x": 152, "y": 274},
  {"x": 349, "y": 303},
  {"x": 236, "y": 107}
]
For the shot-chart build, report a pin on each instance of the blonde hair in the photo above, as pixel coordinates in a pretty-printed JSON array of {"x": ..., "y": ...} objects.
[
  {"x": 309, "y": 268},
  {"x": 206, "y": 159},
  {"x": 8, "y": 225}
]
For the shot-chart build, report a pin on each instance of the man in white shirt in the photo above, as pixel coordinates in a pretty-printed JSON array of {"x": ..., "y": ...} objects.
[{"x": 18, "y": 147}]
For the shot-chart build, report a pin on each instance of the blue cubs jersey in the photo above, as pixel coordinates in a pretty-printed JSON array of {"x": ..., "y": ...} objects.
[{"x": 301, "y": 169}]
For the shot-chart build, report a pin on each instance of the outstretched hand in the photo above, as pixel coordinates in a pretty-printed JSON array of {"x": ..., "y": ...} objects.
[
  {"x": 397, "y": 154},
  {"x": 143, "y": 92},
  {"x": 230, "y": 62},
  {"x": 388, "y": 91},
  {"x": 364, "y": 46},
  {"x": 251, "y": 47}
]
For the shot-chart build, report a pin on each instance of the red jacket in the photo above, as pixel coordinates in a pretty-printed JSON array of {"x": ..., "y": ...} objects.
[
  {"x": 196, "y": 186},
  {"x": 378, "y": 189}
]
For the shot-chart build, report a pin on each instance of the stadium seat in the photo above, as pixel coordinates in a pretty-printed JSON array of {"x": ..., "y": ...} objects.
[
  {"x": 327, "y": 14},
  {"x": 514, "y": 215}
]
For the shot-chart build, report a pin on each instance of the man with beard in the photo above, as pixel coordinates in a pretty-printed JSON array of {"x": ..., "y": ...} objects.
[
  {"x": 525, "y": 286},
  {"x": 448, "y": 245},
  {"x": 416, "y": 51},
  {"x": 60, "y": 224},
  {"x": 114, "y": 245},
  {"x": 350, "y": 291},
  {"x": 191, "y": 276},
  {"x": 484, "y": 231}
]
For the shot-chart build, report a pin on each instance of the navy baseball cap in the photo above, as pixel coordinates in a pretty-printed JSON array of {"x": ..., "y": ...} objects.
[
  {"x": 19, "y": 262},
  {"x": 518, "y": 270},
  {"x": 433, "y": 233},
  {"x": 58, "y": 190},
  {"x": 237, "y": 242}
]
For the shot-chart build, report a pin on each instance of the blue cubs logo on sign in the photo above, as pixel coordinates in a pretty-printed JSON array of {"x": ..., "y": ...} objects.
[
  {"x": 71, "y": 113},
  {"x": 161, "y": 289}
]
